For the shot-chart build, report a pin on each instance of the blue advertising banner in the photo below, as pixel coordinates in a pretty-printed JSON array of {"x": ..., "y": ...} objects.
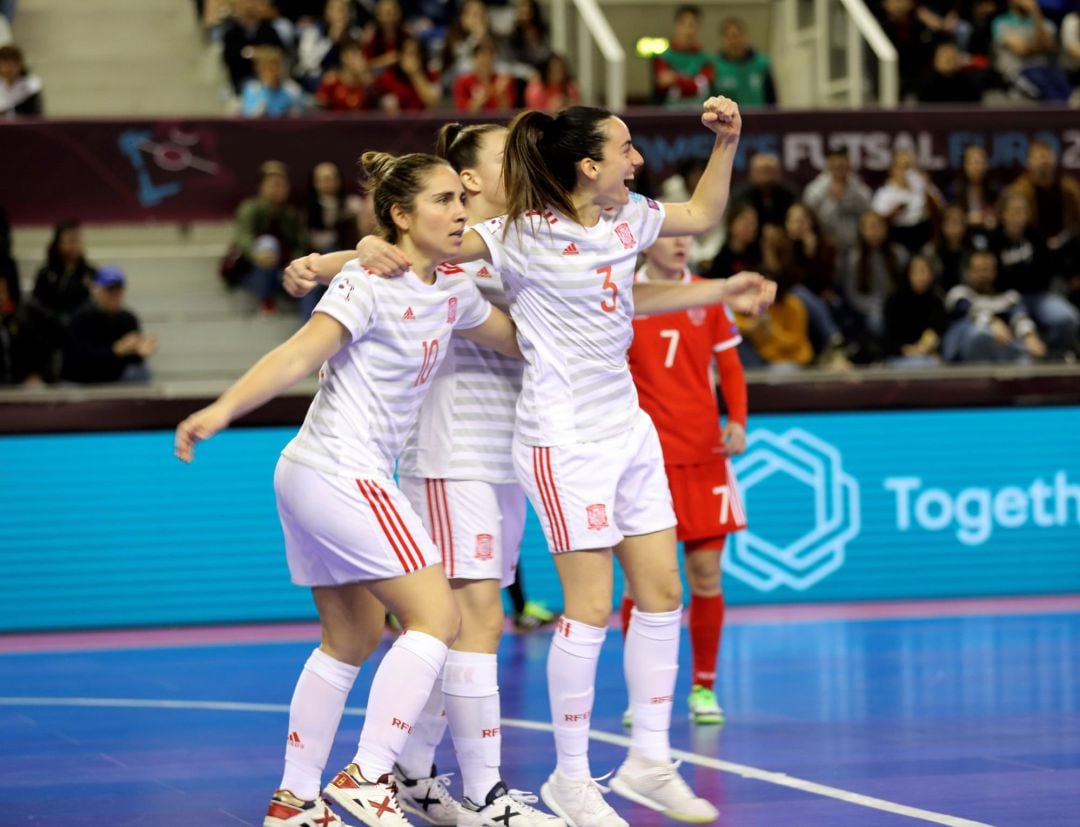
[{"x": 107, "y": 530}]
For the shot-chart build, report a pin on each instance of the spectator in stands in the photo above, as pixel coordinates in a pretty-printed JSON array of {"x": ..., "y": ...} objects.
[
  {"x": 780, "y": 337},
  {"x": 945, "y": 20},
  {"x": 484, "y": 89},
  {"x": 1024, "y": 47},
  {"x": 950, "y": 246},
  {"x": 908, "y": 200},
  {"x": 742, "y": 74},
  {"x": 106, "y": 343},
  {"x": 351, "y": 87},
  {"x": 271, "y": 94},
  {"x": 62, "y": 285},
  {"x": 765, "y": 190},
  {"x": 913, "y": 41},
  {"x": 1053, "y": 199},
  {"x": 553, "y": 88},
  {"x": 248, "y": 28},
  {"x": 1070, "y": 50},
  {"x": 319, "y": 47},
  {"x": 813, "y": 279},
  {"x": 683, "y": 75},
  {"x": 974, "y": 191},
  {"x": 20, "y": 91},
  {"x": 267, "y": 233},
  {"x": 464, "y": 35},
  {"x": 838, "y": 197},
  {"x": 741, "y": 249},
  {"x": 529, "y": 43},
  {"x": 1026, "y": 266},
  {"x": 949, "y": 79},
  {"x": 915, "y": 318},
  {"x": 332, "y": 221},
  {"x": 9, "y": 270},
  {"x": 384, "y": 35},
  {"x": 872, "y": 270},
  {"x": 30, "y": 342},
  {"x": 980, "y": 42},
  {"x": 676, "y": 189},
  {"x": 989, "y": 324},
  {"x": 409, "y": 85}
]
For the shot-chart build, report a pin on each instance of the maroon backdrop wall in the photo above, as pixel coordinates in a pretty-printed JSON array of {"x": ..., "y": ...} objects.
[{"x": 102, "y": 171}]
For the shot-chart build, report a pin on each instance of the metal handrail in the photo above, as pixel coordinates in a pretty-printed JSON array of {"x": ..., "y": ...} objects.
[
  {"x": 592, "y": 27},
  {"x": 888, "y": 61}
]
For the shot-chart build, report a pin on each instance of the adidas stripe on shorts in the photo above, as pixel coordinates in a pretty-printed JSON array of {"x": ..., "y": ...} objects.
[
  {"x": 340, "y": 529},
  {"x": 476, "y": 526},
  {"x": 590, "y": 495}
]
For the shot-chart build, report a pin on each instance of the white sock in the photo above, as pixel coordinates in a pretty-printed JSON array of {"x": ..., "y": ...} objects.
[
  {"x": 314, "y": 716},
  {"x": 401, "y": 687},
  {"x": 418, "y": 757},
  {"x": 651, "y": 662},
  {"x": 471, "y": 687},
  {"x": 571, "y": 674}
]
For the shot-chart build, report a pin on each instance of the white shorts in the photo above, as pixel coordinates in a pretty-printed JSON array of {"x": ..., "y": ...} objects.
[
  {"x": 341, "y": 530},
  {"x": 592, "y": 494},
  {"x": 477, "y": 526}
]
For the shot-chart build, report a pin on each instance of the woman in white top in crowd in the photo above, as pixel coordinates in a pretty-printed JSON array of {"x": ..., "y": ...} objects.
[{"x": 350, "y": 534}]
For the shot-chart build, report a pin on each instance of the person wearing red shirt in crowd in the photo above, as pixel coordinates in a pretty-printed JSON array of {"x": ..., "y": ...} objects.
[
  {"x": 671, "y": 360},
  {"x": 552, "y": 89},
  {"x": 484, "y": 89},
  {"x": 351, "y": 87},
  {"x": 408, "y": 86},
  {"x": 683, "y": 74}
]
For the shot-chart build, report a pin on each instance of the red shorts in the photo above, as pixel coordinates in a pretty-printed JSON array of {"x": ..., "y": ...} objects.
[{"x": 707, "y": 502}]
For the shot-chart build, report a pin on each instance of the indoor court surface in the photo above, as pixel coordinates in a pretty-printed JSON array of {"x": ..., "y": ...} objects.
[{"x": 956, "y": 713}]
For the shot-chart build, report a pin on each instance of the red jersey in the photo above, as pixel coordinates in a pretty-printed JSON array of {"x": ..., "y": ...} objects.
[{"x": 671, "y": 360}]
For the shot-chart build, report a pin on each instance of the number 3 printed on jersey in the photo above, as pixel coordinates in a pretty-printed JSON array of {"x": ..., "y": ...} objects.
[
  {"x": 431, "y": 354},
  {"x": 608, "y": 305}
]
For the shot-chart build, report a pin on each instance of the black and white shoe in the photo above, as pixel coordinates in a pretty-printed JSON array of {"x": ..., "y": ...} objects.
[
  {"x": 427, "y": 798},
  {"x": 506, "y": 808}
]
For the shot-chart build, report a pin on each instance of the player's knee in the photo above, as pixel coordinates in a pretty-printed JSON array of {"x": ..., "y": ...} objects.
[
  {"x": 659, "y": 595},
  {"x": 439, "y": 621},
  {"x": 481, "y": 630}
]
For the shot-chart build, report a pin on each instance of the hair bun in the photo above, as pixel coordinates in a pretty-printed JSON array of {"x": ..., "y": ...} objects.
[{"x": 378, "y": 165}]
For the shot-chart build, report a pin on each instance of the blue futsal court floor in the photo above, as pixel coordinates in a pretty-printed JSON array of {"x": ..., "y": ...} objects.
[{"x": 956, "y": 714}]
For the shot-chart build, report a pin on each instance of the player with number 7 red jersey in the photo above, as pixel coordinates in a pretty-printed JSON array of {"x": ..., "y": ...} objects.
[{"x": 672, "y": 360}]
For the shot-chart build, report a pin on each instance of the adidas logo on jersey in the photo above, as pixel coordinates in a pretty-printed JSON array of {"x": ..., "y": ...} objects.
[
  {"x": 294, "y": 740},
  {"x": 570, "y": 249},
  {"x": 408, "y": 315},
  {"x": 483, "y": 273}
]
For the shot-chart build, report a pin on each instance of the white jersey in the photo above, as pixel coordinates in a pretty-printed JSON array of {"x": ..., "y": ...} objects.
[
  {"x": 466, "y": 423},
  {"x": 370, "y": 391},
  {"x": 570, "y": 290}
]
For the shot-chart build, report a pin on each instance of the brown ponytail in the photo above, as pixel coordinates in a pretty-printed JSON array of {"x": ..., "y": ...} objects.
[
  {"x": 542, "y": 153},
  {"x": 460, "y": 145},
  {"x": 395, "y": 180}
]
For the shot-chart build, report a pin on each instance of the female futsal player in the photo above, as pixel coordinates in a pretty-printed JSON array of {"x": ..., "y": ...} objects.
[
  {"x": 350, "y": 534},
  {"x": 671, "y": 361}
]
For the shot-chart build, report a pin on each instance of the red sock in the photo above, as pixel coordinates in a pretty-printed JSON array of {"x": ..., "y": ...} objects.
[
  {"x": 624, "y": 613},
  {"x": 706, "y": 621}
]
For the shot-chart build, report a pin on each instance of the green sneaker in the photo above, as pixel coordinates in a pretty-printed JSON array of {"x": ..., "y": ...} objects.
[
  {"x": 533, "y": 616},
  {"x": 703, "y": 706},
  {"x": 627, "y": 718}
]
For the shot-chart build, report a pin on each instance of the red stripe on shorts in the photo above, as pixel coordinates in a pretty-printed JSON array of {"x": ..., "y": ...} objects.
[
  {"x": 377, "y": 511},
  {"x": 558, "y": 503},
  {"x": 408, "y": 542},
  {"x": 429, "y": 488},
  {"x": 549, "y": 498}
]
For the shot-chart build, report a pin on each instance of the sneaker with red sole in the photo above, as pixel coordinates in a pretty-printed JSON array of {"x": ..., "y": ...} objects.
[
  {"x": 373, "y": 803},
  {"x": 286, "y": 810}
]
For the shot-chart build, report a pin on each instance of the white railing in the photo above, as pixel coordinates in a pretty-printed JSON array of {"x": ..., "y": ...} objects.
[
  {"x": 592, "y": 27},
  {"x": 847, "y": 25}
]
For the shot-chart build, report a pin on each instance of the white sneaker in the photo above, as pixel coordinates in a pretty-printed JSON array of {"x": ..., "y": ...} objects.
[
  {"x": 371, "y": 803},
  {"x": 427, "y": 798},
  {"x": 658, "y": 786},
  {"x": 579, "y": 802},
  {"x": 502, "y": 806},
  {"x": 286, "y": 810}
]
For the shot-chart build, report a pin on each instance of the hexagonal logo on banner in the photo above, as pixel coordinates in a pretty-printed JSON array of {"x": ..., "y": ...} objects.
[{"x": 820, "y": 513}]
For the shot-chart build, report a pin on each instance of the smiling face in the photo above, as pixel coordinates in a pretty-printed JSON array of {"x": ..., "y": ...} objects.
[
  {"x": 436, "y": 222},
  {"x": 612, "y": 174}
]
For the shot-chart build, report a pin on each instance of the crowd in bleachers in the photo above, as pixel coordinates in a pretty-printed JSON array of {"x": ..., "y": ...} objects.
[
  {"x": 287, "y": 58},
  {"x": 73, "y": 326},
  {"x": 904, "y": 274}
]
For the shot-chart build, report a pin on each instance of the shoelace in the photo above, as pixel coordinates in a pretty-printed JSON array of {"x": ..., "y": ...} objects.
[
  {"x": 387, "y": 780},
  {"x": 593, "y": 793},
  {"x": 440, "y": 783},
  {"x": 524, "y": 798}
]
